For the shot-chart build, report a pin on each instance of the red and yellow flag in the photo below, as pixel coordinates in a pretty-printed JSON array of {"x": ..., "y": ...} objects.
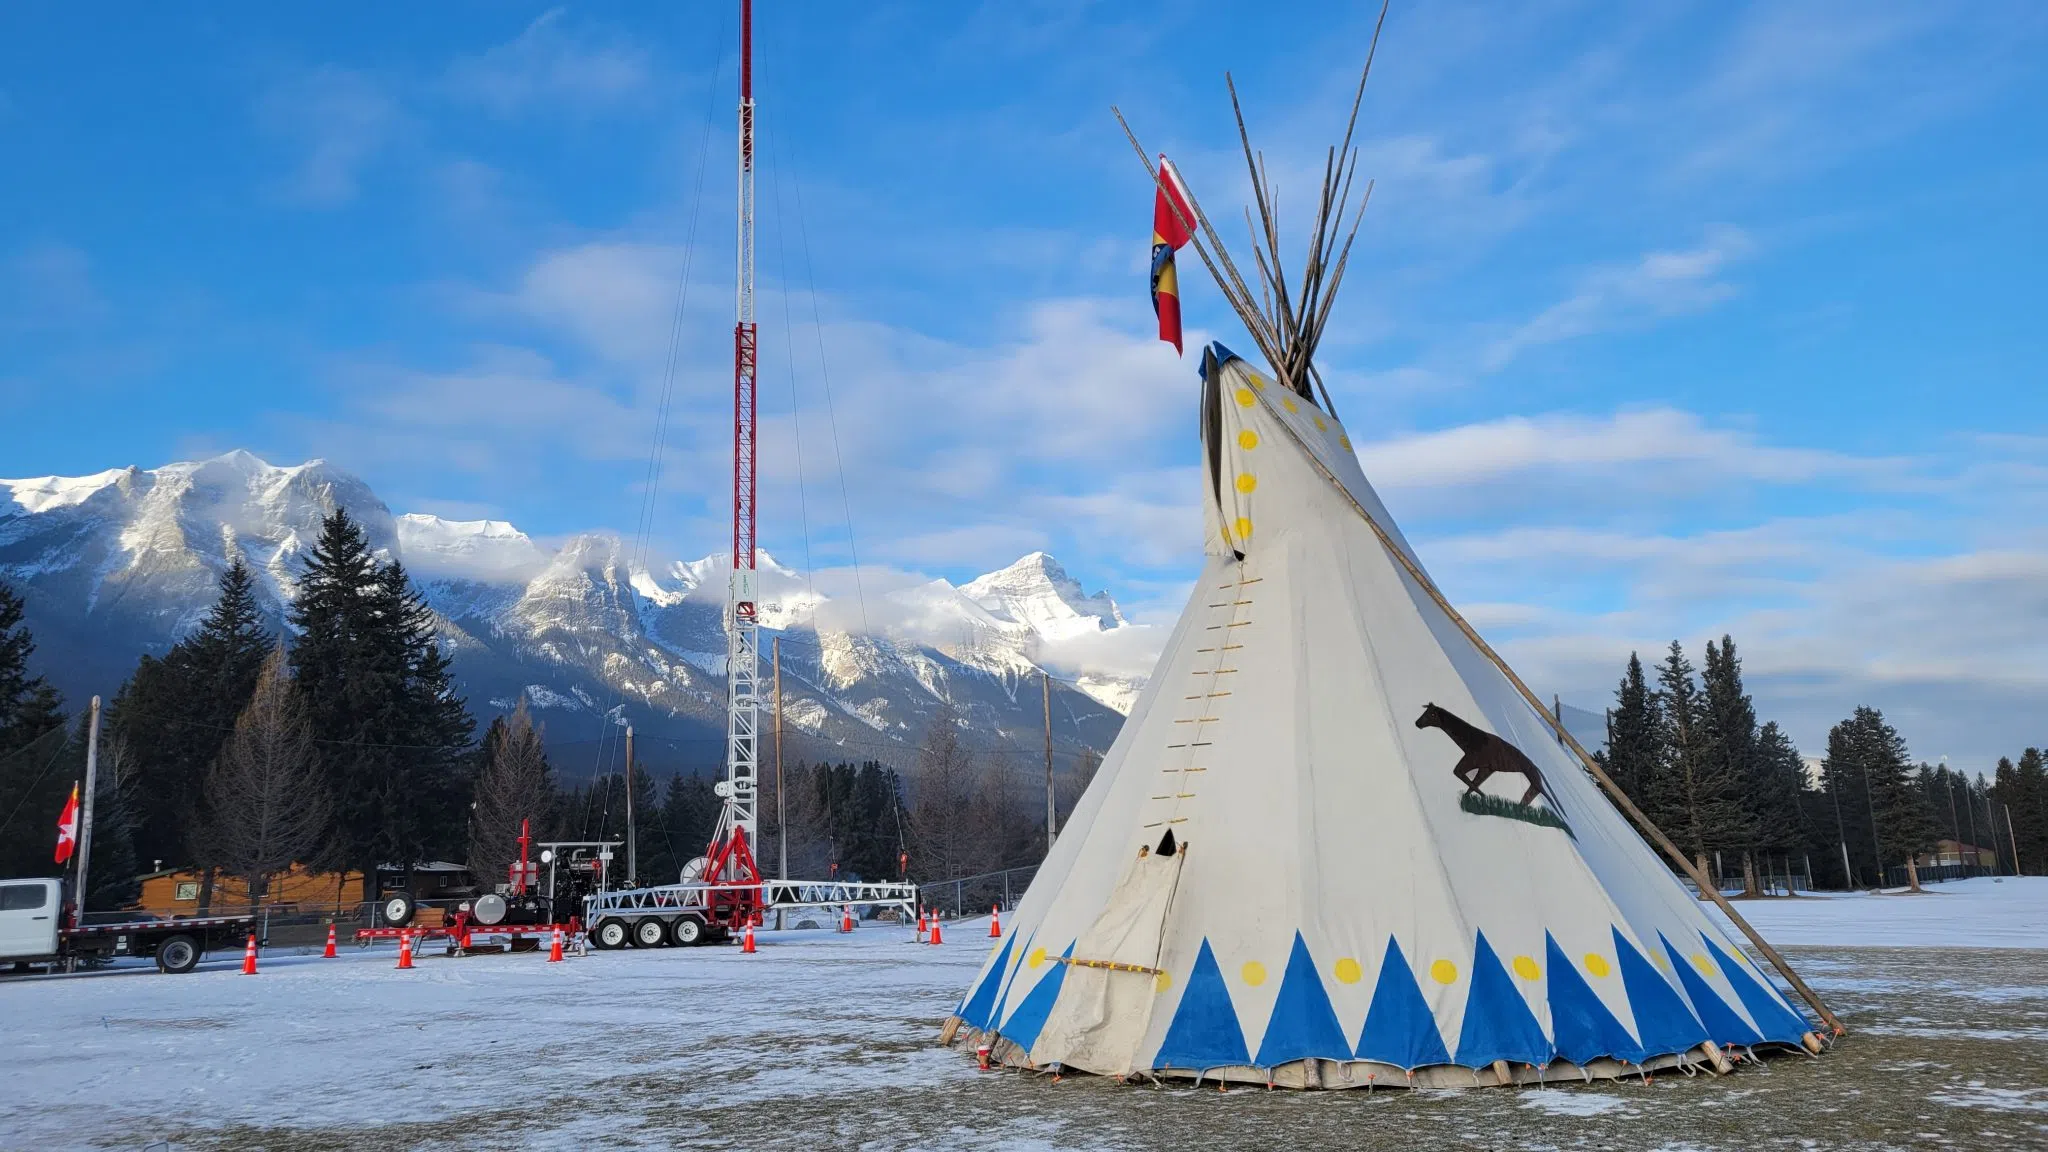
[
  {"x": 67, "y": 827},
  {"x": 1170, "y": 231}
]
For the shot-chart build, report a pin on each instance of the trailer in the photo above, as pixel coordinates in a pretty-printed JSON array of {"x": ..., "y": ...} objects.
[
  {"x": 34, "y": 929},
  {"x": 702, "y": 913}
]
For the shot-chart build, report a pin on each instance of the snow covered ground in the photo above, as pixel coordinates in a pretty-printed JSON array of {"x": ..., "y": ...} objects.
[{"x": 826, "y": 1041}]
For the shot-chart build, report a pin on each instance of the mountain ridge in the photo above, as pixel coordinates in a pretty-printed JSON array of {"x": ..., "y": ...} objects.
[{"x": 125, "y": 561}]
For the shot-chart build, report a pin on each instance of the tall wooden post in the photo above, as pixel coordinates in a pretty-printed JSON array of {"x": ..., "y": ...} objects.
[
  {"x": 2009, "y": 837},
  {"x": 92, "y": 777},
  {"x": 1051, "y": 808},
  {"x": 632, "y": 835},
  {"x": 781, "y": 825}
]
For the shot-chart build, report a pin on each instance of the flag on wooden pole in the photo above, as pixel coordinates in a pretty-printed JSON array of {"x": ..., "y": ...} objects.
[
  {"x": 1171, "y": 218},
  {"x": 67, "y": 827}
]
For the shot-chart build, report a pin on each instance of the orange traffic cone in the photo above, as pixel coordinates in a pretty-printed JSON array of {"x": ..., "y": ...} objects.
[
  {"x": 936, "y": 935},
  {"x": 555, "y": 950},
  {"x": 846, "y": 919},
  {"x": 924, "y": 932},
  {"x": 981, "y": 1055},
  {"x": 249, "y": 957},
  {"x": 329, "y": 954},
  {"x": 995, "y": 922},
  {"x": 405, "y": 949},
  {"x": 747, "y": 937}
]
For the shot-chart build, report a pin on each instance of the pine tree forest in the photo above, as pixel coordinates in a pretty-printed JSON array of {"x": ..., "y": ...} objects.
[{"x": 340, "y": 743}]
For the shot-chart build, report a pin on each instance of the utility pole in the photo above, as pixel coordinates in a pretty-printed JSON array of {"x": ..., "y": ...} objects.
[
  {"x": 1970, "y": 813},
  {"x": 1870, "y": 802},
  {"x": 92, "y": 776},
  {"x": 781, "y": 825},
  {"x": 2009, "y": 837},
  {"x": 1051, "y": 809},
  {"x": 632, "y": 834},
  {"x": 1841, "y": 831}
]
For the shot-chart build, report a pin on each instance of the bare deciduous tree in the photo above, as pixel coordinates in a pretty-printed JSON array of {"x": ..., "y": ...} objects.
[
  {"x": 512, "y": 785},
  {"x": 266, "y": 804},
  {"x": 945, "y": 817}
]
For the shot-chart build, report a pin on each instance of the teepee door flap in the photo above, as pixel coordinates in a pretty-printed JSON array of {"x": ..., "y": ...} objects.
[{"x": 1105, "y": 1005}]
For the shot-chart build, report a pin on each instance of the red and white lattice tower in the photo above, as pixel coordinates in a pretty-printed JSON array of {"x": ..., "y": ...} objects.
[{"x": 730, "y": 859}]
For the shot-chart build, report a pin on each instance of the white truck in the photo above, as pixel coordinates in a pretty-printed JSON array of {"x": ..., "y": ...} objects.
[{"x": 34, "y": 930}]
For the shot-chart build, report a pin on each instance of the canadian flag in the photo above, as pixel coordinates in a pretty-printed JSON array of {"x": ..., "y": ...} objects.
[{"x": 67, "y": 827}]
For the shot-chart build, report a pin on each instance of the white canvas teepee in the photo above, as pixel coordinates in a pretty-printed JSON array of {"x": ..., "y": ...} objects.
[{"x": 1279, "y": 876}]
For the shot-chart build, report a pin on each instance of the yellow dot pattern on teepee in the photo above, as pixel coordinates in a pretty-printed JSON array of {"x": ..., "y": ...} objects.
[
  {"x": 1245, "y": 398},
  {"x": 1526, "y": 968},
  {"x": 1244, "y": 527},
  {"x": 1321, "y": 426},
  {"x": 1162, "y": 982},
  {"x": 1345, "y": 441},
  {"x": 1597, "y": 965},
  {"x": 1036, "y": 958},
  {"x": 1246, "y": 482},
  {"x": 1257, "y": 380},
  {"x": 1288, "y": 403},
  {"x": 1347, "y": 971},
  {"x": 1700, "y": 961},
  {"x": 1247, "y": 439},
  {"x": 1444, "y": 972},
  {"x": 1254, "y": 973}
]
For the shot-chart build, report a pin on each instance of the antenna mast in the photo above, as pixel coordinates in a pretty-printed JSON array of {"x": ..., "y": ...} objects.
[{"x": 731, "y": 857}]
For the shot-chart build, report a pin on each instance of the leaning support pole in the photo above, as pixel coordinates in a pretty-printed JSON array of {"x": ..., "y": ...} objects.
[{"x": 1620, "y": 798}]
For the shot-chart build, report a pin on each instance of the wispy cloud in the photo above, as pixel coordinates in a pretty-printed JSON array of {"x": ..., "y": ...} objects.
[
  {"x": 333, "y": 122},
  {"x": 1656, "y": 285},
  {"x": 550, "y": 65}
]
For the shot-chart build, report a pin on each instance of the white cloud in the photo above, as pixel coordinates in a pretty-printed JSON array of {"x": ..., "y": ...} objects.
[
  {"x": 549, "y": 65},
  {"x": 1629, "y": 441},
  {"x": 1658, "y": 284},
  {"x": 334, "y": 122}
]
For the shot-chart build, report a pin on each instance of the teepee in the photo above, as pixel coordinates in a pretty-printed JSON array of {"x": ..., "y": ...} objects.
[{"x": 1338, "y": 842}]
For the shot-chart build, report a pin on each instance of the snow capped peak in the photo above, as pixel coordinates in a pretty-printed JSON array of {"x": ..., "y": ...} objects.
[
  {"x": 1036, "y": 591},
  {"x": 479, "y": 549},
  {"x": 42, "y": 493}
]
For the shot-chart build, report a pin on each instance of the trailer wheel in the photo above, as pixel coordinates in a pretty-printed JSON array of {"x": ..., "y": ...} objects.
[
  {"x": 686, "y": 931},
  {"x": 649, "y": 933},
  {"x": 177, "y": 954},
  {"x": 398, "y": 909},
  {"x": 609, "y": 934}
]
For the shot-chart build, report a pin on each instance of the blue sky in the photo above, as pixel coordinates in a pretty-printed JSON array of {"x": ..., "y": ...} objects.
[{"x": 1667, "y": 319}]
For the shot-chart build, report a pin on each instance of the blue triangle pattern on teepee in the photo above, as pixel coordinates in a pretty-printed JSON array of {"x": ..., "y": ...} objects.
[
  {"x": 1205, "y": 1032},
  {"x": 982, "y": 1004},
  {"x": 1581, "y": 1027},
  {"x": 1498, "y": 1024},
  {"x": 1663, "y": 1021},
  {"x": 1399, "y": 1027},
  {"x": 995, "y": 1014},
  {"x": 1724, "y": 1024},
  {"x": 1024, "y": 1023},
  {"x": 1774, "y": 1018},
  {"x": 1303, "y": 1024}
]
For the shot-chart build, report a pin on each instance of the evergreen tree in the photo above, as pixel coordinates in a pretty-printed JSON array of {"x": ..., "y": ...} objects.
[
  {"x": 33, "y": 740},
  {"x": 689, "y": 814},
  {"x": 176, "y": 712},
  {"x": 1778, "y": 793},
  {"x": 29, "y": 707},
  {"x": 2019, "y": 811},
  {"x": 394, "y": 735},
  {"x": 114, "y": 881},
  {"x": 1634, "y": 756},
  {"x": 1732, "y": 738},
  {"x": 1883, "y": 818},
  {"x": 1697, "y": 801}
]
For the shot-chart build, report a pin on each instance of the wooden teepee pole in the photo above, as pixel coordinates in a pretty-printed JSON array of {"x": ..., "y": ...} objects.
[{"x": 1620, "y": 798}]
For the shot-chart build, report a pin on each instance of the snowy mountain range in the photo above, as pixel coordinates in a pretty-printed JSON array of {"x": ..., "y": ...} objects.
[{"x": 123, "y": 562}]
